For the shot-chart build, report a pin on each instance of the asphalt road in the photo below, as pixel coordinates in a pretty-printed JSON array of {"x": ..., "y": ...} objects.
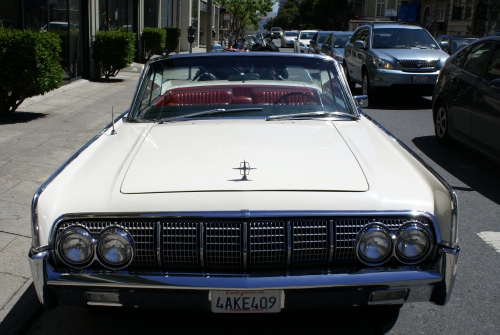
[{"x": 474, "y": 307}]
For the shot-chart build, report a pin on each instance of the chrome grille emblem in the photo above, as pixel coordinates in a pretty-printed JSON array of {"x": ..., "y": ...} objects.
[{"x": 420, "y": 63}]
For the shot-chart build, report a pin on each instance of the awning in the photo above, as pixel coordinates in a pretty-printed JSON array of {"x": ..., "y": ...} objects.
[{"x": 409, "y": 12}]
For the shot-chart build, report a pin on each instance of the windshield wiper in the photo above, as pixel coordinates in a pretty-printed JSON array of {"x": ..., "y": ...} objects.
[
  {"x": 209, "y": 112},
  {"x": 418, "y": 46},
  {"x": 309, "y": 115}
]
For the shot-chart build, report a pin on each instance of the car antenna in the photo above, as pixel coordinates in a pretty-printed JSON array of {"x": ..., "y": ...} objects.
[{"x": 113, "y": 132}]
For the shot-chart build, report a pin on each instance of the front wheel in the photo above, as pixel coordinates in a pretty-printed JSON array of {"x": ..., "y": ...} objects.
[{"x": 441, "y": 124}]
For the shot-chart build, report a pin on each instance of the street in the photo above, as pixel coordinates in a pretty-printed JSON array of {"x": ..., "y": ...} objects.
[{"x": 474, "y": 306}]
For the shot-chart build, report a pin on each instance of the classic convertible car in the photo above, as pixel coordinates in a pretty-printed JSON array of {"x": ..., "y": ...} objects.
[{"x": 246, "y": 183}]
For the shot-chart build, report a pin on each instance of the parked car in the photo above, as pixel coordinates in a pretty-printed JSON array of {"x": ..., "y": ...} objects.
[
  {"x": 301, "y": 44},
  {"x": 317, "y": 41},
  {"x": 334, "y": 44},
  {"x": 245, "y": 183},
  {"x": 455, "y": 42},
  {"x": 393, "y": 57},
  {"x": 276, "y": 32},
  {"x": 288, "y": 39},
  {"x": 466, "y": 99},
  {"x": 59, "y": 25}
]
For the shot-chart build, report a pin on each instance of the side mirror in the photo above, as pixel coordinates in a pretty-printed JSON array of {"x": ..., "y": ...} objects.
[
  {"x": 495, "y": 84},
  {"x": 359, "y": 44},
  {"x": 361, "y": 100},
  {"x": 326, "y": 46},
  {"x": 445, "y": 46}
]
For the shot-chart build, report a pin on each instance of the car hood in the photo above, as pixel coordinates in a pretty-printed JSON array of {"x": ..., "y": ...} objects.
[
  {"x": 419, "y": 54},
  {"x": 231, "y": 156}
]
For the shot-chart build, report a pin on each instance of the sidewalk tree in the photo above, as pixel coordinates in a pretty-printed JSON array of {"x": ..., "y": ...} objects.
[
  {"x": 114, "y": 50},
  {"x": 29, "y": 66},
  {"x": 153, "y": 40},
  {"x": 245, "y": 13},
  {"x": 288, "y": 16},
  {"x": 324, "y": 14}
]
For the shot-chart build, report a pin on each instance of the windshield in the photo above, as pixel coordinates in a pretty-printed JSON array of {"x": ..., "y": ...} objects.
[
  {"x": 322, "y": 37},
  {"x": 275, "y": 29},
  {"x": 290, "y": 33},
  {"x": 397, "y": 38},
  {"x": 307, "y": 35},
  {"x": 341, "y": 40},
  {"x": 248, "y": 86}
]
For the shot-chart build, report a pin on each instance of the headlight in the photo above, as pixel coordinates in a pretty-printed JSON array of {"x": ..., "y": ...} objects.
[
  {"x": 413, "y": 243},
  {"x": 75, "y": 247},
  {"x": 115, "y": 248},
  {"x": 382, "y": 64},
  {"x": 374, "y": 244}
]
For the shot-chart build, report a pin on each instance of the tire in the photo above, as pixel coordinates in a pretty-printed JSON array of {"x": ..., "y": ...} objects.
[
  {"x": 441, "y": 124},
  {"x": 383, "y": 318}
]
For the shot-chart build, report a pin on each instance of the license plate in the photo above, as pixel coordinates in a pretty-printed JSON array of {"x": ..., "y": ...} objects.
[
  {"x": 269, "y": 301},
  {"x": 420, "y": 79}
]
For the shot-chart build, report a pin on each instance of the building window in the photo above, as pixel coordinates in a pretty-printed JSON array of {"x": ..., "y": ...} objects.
[
  {"x": 381, "y": 6},
  {"x": 456, "y": 13},
  {"x": 439, "y": 9},
  {"x": 468, "y": 9}
]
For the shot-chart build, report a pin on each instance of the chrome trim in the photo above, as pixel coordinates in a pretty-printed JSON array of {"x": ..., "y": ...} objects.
[
  {"x": 439, "y": 277},
  {"x": 245, "y": 250},
  {"x": 454, "y": 201},
  {"x": 202, "y": 242},
  {"x": 237, "y": 215},
  {"x": 289, "y": 243},
  {"x": 332, "y": 242},
  {"x": 159, "y": 244},
  {"x": 35, "y": 228}
]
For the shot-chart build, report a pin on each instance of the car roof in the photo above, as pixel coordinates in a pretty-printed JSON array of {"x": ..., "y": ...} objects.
[
  {"x": 241, "y": 54},
  {"x": 394, "y": 25}
]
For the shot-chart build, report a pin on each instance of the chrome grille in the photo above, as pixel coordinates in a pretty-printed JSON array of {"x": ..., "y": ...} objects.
[
  {"x": 414, "y": 63},
  {"x": 267, "y": 243},
  {"x": 240, "y": 245},
  {"x": 180, "y": 244},
  {"x": 223, "y": 244},
  {"x": 310, "y": 242}
]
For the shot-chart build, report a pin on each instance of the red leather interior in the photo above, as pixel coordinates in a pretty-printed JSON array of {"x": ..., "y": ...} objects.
[
  {"x": 242, "y": 94},
  {"x": 265, "y": 96},
  {"x": 206, "y": 97}
]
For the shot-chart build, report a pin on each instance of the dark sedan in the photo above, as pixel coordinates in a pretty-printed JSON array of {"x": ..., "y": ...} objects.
[
  {"x": 335, "y": 43},
  {"x": 455, "y": 42},
  {"x": 317, "y": 41},
  {"x": 466, "y": 99}
]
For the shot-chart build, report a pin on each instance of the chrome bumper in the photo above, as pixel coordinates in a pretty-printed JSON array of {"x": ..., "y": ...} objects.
[{"x": 434, "y": 285}]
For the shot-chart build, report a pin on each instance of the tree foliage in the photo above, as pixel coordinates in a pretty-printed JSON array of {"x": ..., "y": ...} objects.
[
  {"x": 114, "y": 50},
  {"x": 245, "y": 13},
  {"x": 324, "y": 14},
  {"x": 29, "y": 66},
  {"x": 154, "y": 40},
  {"x": 288, "y": 16}
]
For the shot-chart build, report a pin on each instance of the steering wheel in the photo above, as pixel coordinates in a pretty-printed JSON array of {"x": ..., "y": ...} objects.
[{"x": 285, "y": 97}]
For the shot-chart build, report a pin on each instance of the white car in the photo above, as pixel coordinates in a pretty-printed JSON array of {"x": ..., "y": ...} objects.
[
  {"x": 301, "y": 45},
  {"x": 245, "y": 183},
  {"x": 288, "y": 38}
]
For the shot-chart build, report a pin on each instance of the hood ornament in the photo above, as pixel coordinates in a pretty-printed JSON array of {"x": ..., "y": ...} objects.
[{"x": 244, "y": 171}]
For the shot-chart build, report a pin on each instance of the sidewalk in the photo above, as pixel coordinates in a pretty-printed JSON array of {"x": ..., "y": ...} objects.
[{"x": 39, "y": 137}]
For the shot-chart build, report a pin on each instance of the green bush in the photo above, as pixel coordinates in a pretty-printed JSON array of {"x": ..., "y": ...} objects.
[
  {"x": 153, "y": 40},
  {"x": 114, "y": 50},
  {"x": 172, "y": 39},
  {"x": 29, "y": 66}
]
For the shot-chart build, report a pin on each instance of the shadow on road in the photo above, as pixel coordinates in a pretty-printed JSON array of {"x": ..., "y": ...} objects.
[
  {"x": 396, "y": 100},
  {"x": 20, "y": 117},
  {"x": 26, "y": 308},
  {"x": 480, "y": 174}
]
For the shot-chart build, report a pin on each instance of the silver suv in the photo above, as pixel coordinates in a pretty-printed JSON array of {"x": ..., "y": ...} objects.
[{"x": 393, "y": 56}]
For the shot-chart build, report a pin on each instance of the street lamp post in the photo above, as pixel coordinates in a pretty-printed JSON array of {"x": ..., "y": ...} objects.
[{"x": 191, "y": 33}]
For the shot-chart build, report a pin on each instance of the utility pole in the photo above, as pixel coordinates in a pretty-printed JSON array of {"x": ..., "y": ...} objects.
[{"x": 208, "y": 30}]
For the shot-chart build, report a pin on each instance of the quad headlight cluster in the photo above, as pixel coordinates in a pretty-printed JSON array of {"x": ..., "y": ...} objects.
[
  {"x": 375, "y": 244},
  {"x": 114, "y": 248}
]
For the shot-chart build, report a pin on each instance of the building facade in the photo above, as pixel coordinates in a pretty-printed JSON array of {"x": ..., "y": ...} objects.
[
  {"x": 455, "y": 17},
  {"x": 77, "y": 21}
]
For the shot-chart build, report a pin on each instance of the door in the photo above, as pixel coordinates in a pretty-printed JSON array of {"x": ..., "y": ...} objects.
[
  {"x": 462, "y": 84},
  {"x": 485, "y": 117}
]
